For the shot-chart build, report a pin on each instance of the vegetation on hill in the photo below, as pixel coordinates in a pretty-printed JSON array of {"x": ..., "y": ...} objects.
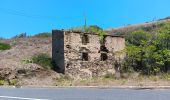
[
  {"x": 21, "y": 35},
  {"x": 4, "y": 46},
  {"x": 43, "y": 35},
  {"x": 43, "y": 60},
  {"x": 165, "y": 18},
  {"x": 39, "y": 35},
  {"x": 148, "y": 51}
]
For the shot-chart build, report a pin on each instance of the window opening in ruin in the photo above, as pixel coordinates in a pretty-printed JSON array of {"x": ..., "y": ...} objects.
[
  {"x": 104, "y": 57},
  {"x": 85, "y": 39},
  {"x": 103, "y": 51},
  {"x": 85, "y": 56}
]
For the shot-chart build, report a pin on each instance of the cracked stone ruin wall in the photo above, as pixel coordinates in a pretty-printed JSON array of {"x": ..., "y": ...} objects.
[{"x": 68, "y": 49}]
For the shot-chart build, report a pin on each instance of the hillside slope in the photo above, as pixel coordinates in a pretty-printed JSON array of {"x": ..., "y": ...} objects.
[
  {"x": 145, "y": 26},
  {"x": 14, "y": 67}
]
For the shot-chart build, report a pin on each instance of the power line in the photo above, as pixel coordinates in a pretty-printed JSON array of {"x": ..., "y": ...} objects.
[
  {"x": 35, "y": 16},
  {"x": 46, "y": 17}
]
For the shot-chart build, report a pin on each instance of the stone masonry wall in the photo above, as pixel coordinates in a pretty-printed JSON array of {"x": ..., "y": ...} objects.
[
  {"x": 58, "y": 50},
  {"x": 73, "y": 49}
]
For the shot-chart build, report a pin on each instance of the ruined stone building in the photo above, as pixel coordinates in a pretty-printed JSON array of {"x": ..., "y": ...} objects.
[{"x": 84, "y": 54}]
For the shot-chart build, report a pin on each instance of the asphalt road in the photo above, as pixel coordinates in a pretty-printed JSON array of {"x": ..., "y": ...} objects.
[{"x": 82, "y": 94}]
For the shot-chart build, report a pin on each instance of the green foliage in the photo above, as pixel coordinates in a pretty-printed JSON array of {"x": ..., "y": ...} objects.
[
  {"x": 132, "y": 56},
  {"x": 138, "y": 37},
  {"x": 13, "y": 82},
  {"x": 27, "y": 61},
  {"x": 4, "y": 46},
  {"x": 2, "y": 82},
  {"x": 163, "y": 38},
  {"x": 149, "y": 27},
  {"x": 148, "y": 53},
  {"x": 94, "y": 29},
  {"x": 43, "y": 35},
  {"x": 102, "y": 34},
  {"x": 43, "y": 60},
  {"x": 98, "y": 30}
]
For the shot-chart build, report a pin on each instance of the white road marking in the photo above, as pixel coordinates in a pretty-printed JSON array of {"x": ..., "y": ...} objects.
[{"x": 21, "y": 98}]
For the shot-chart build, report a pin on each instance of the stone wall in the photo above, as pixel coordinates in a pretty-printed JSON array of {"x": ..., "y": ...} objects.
[
  {"x": 83, "y": 60},
  {"x": 58, "y": 50}
]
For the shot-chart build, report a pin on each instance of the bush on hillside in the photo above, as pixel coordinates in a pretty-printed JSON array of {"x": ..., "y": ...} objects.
[
  {"x": 148, "y": 53},
  {"x": 2, "y": 82},
  {"x": 43, "y": 60},
  {"x": 4, "y": 46}
]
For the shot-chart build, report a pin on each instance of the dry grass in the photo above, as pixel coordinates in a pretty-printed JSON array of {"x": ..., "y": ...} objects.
[{"x": 141, "y": 80}]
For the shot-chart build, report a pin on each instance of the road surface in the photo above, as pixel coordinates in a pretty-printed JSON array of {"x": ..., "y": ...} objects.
[{"x": 83, "y": 94}]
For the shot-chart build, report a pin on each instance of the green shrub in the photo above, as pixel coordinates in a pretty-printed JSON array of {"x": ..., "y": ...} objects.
[
  {"x": 148, "y": 53},
  {"x": 94, "y": 29},
  {"x": 13, "y": 82},
  {"x": 27, "y": 61},
  {"x": 4, "y": 46},
  {"x": 43, "y": 60},
  {"x": 2, "y": 82}
]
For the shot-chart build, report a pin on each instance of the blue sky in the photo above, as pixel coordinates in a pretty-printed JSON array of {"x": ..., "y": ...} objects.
[{"x": 34, "y": 16}]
